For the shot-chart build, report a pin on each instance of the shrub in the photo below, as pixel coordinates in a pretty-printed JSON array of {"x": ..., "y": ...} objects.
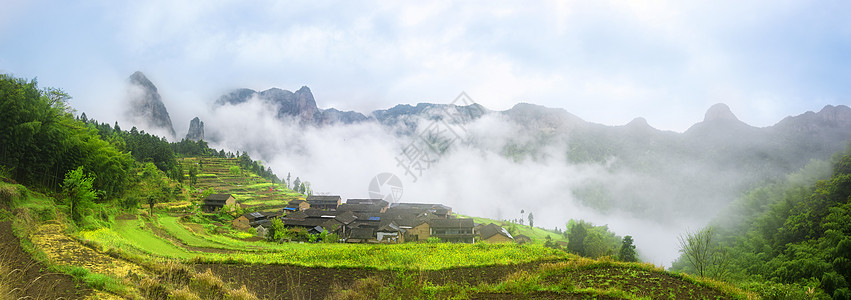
[
  {"x": 184, "y": 294},
  {"x": 240, "y": 294},
  {"x": 207, "y": 284}
]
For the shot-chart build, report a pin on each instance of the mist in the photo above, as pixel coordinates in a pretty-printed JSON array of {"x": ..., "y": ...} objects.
[{"x": 472, "y": 176}]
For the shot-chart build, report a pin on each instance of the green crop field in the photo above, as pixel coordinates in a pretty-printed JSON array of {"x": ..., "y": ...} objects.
[{"x": 426, "y": 256}]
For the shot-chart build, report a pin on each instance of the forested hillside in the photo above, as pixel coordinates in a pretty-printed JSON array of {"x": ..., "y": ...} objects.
[{"x": 793, "y": 232}]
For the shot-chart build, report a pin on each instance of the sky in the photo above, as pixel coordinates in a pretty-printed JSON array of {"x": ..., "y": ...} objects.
[{"x": 604, "y": 61}]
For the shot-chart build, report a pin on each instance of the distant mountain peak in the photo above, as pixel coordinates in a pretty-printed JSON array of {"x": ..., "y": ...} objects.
[
  {"x": 719, "y": 111},
  {"x": 300, "y": 105},
  {"x": 146, "y": 105},
  {"x": 196, "y": 130},
  {"x": 839, "y": 115},
  {"x": 639, "y": 122}
]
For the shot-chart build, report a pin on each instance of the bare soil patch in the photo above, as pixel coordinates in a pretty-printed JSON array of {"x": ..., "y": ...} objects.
[
  {"x": 296, "y": 282},
  {"x": 641, "y": 283},
  {"x": 27, "y": 277}
]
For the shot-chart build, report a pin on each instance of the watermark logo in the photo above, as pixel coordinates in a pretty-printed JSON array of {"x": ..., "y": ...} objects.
[
  {"x": 437, "y": 137},
  {"x": 386, "y": 186},
  {"x": 433, "y": 141}
]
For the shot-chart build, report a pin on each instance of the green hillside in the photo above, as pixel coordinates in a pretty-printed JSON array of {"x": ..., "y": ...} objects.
[
  {"x": 538, "y": 235},
  {"x": 250, "y": 190},
  {"x": 114, "y": 213}
]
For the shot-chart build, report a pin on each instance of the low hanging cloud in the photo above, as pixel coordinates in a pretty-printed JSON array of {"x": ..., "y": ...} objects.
[{"x": 472, "y": 176}]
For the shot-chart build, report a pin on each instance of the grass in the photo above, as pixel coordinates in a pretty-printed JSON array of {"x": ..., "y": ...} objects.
[
  {"x": 133, "y": 233},
  {"x": 538, "y": 235},
  {"x": 413, "y": 255},
  {"x": 565, "y": 274},
  {"x": 175, "y": 229},
  {"x": 403, "y": 256}
]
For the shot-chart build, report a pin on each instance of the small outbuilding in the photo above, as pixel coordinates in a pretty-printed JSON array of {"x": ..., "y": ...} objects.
[
  {"x": 215, "y": 202},
  {"x": 522, "y": 239},
  {"x": 493, "y": 233},
  {"x": 324, "y": 202}
]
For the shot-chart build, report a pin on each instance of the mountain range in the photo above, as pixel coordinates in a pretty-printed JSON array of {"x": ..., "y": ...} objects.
[{"x": 707, "y": 165}]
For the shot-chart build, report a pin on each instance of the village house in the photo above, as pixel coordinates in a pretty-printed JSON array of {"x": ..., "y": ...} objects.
[
  {"x": 493, "y": 233},
  {"x": 389, "y": 232},
  {"x": 439, "y": 210},
  {"x": 415, "y": 229},
  {"x": 215, "y": 202},
  {"x": 452, "y": 230},
  {"x": 362, "y": 235},
  {"x": 297, "y": 205},
  {"x": 364, "y": 206},
  {"x": 522, "y": 239},
  {"x": 376, "y": 221},
  {"x": 324, "y": 202},
  {"x": 249, "y": 220}
]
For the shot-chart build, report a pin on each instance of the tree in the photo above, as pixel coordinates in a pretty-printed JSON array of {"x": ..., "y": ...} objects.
[
  {"x": 703, "y": 253},
  {"x": 531, "y": 219},
  {"x": 152, "y": 200},
  {"x": 307, "y": 190},
  {"x": 193, "y": 176},
  {"x": 234, "y": 170},
  {"x": 301, "y": 189},
  {"x": 288, "y": 181},
  {"x": 79, "y": 193},
  {"x": 627, "y": 252},
  {"x": 296, "y": 184},
  {"x": 576, "y": 238}
]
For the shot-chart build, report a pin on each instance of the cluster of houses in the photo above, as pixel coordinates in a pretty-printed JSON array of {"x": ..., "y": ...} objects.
[{"x": 369, "y": 220}]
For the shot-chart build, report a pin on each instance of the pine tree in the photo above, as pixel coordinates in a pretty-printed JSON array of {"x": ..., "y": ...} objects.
[
  {"x": 627, "y": 252},
  {"x": 531, "y": 219},
  {"x": 576, "y": 239},
  {"x": 296, "y": 184}
]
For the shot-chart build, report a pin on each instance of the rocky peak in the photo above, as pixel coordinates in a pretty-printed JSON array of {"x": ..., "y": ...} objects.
[
  {"x": 719, "y": 111},
  {"x": 146, "y": 106},
  {"x": 196, "y": 130},
  {"x": 299, "y": 105},
  {"x": 139, "y": 78},
  {"x": 839, "y": 115}
]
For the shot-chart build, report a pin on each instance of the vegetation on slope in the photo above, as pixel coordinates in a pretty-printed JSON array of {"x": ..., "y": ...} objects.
[
  {"x": 114, "y": 211},
  {"x": 794, "y": 242}
]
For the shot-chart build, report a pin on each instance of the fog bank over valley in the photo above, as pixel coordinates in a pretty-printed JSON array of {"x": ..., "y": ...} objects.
[{"x": 640, "y": 181}]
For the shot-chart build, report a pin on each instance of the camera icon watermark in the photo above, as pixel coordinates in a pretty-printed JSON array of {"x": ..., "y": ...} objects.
[{"x": 386, "y": 186}]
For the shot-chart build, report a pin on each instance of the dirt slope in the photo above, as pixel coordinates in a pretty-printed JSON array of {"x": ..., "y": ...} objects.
[{"x": 22, "y": 276}]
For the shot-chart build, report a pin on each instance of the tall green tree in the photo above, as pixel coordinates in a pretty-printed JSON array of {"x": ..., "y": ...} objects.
[
  {"x": 531, "y": 218},
  {"x": 627, "y": 252},
  {"x": 41, "y": 141},
  {"x": 79, "y": 194},
  {"x": 296, "y": 184},
  {"x": 576, "y": 238},
  {"x": 193, "y": 176}
]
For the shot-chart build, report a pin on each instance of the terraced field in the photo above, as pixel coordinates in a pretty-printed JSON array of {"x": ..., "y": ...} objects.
[
  {"x": 251, "y": 191},
  {"x": 169, "y": 253}
]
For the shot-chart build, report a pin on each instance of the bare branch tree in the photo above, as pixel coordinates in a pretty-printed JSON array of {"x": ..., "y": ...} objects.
[{"x": 703, "y": 252}]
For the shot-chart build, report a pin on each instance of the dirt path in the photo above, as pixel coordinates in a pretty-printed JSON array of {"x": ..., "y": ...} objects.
[
  {"x": 63, "y": 250},
  {"x": 22, "y": 276}
]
